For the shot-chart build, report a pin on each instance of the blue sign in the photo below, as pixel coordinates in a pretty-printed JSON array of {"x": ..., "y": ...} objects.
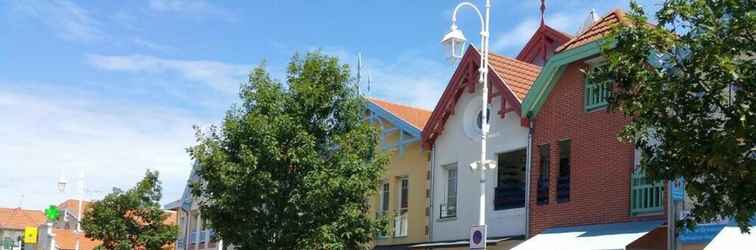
[
  {"x": 677, "y": 189},
  {"x": 701, "y": 234}
]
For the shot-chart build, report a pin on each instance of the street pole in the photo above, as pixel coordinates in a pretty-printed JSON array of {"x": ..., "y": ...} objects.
[
  {"x": 484, "y": 115},
  {"x": 78, "y": 216},
  {"x": 455, "y": 38},
  {"x": 671, "y": 219}
]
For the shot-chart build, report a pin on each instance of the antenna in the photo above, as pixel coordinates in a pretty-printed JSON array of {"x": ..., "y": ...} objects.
[
  {"x": 369, "y": 80},
  {"x": 359, "y": 70}
]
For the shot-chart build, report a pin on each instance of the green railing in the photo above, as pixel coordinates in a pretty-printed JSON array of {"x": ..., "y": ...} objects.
[{"x": 645, "y": 196}]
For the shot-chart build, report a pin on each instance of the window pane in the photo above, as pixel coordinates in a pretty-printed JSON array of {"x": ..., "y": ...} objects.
[
  {"x": 510, "y": 189},
  {"x": 404, "y": 193},
  {"x": 385, "y": 198},
  {"x": 563, "y": 182},
  {"x": 543, "y": 175}
]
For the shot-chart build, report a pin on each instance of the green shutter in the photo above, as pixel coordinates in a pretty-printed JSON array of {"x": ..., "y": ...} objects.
[{"x": 595, "y": 94}]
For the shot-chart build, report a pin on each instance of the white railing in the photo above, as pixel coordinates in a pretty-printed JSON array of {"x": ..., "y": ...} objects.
[{"x": 400, "y": 223}]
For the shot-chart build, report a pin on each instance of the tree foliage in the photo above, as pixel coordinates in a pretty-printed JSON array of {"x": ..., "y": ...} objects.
[
  {"x": 131, "y": 219},
  {"x": 292, "y": 166},
  {"x": 688, "y": 85}
]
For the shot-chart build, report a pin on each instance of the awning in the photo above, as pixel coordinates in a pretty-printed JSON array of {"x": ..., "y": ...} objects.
[
  {"x": 603, "y": 236},
  {"x": 731, "y": 238}
]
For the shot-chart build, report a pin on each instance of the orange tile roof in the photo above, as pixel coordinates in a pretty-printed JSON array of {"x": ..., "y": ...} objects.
[
  {"x": 598, "y": 30},
  {"x": 72, "y": 205},
  {"x": 417, "y": 117},
  {"x": 18, "y": 219},
  {"x": 517, "y": 75},
  {"x": 66, "y": 239}
]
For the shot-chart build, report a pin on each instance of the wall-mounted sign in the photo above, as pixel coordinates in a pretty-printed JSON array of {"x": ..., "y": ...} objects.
[
  {"x": 478, "y": 237},
  {"x": 677, "y": 189},
  {"x": 30, "y": 235}
]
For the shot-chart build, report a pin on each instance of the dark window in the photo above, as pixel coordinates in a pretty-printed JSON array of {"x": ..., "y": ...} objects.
[
  {"x": 510, "y": 186},
  {"x": 385, "y": 197},
  {"x": 563, "y": 182},
  {"x": 404, "y": 202},
  {"x": 479, "y": 118},
  {"x": 543, "y": 174}
]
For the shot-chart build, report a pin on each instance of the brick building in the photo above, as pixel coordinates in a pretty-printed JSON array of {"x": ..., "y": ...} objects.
[{"x": 583, "y": 178}]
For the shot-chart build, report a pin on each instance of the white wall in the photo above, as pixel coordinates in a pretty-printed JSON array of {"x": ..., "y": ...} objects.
[{"x": 460, "y": 143}]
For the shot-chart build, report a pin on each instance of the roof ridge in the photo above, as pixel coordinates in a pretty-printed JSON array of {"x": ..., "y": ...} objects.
[
  {"x": 617, "y": 12},
  {"x": 398, "y": 104}
]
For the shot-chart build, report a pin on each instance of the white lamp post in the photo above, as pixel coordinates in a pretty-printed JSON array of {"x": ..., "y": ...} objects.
[
  {"x": 62, "y": 188},
  {"x": 455, "y": 41}
]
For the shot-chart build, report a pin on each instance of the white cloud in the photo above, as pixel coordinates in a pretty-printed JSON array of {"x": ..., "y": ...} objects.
[
  {"x": 410, "y": 79},
  {"x": 151, "y": 45},
  {"x": 67, "y": 19},
  {"x": 112, "y": 142},
  {"x": 221, "y": 76}
]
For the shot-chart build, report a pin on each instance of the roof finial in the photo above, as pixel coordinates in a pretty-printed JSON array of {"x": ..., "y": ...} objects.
[{"x": 543, "y": 9}]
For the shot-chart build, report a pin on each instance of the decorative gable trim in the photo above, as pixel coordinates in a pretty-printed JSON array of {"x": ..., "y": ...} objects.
[
  {"x": 538, "y": 43},
  {"x": 466, "y": 77},
  {"x": 408, "y": 133},
  {"x": 552, "y": 72}
]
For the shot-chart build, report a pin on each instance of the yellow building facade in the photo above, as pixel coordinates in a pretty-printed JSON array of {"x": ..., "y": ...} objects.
[{"x": 402, "y": 197}]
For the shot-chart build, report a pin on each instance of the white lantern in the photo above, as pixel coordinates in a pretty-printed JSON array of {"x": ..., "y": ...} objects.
[
  {"x": 454, "y": 41},
  {"x": 62, "y": 184}
]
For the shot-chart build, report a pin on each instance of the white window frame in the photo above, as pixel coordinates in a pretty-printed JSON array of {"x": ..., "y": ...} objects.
[{"x": 400, "y": 219}]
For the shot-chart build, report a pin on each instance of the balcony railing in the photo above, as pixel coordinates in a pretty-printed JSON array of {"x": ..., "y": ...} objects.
[
  {"x": 645, "y": 196},
  {"x": 400, "y": 223},
  {"x": 448, "y": 211},
  {"x": 204, "y": 236}
]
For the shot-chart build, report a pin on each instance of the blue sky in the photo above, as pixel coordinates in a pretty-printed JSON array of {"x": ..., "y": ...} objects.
[{"x": 113, "y": 88}]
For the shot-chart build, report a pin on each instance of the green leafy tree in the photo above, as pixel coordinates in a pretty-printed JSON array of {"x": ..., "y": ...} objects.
[
  {"x": 293, "y": 165},
  {"x": 131, "y": 219},
  {"x": 688, "y": 85}
]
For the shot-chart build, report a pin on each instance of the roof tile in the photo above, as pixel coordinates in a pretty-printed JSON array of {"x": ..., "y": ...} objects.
[
  {"x": 518, "y": 75},
  {"x": 18, "y": 219},
  {"x": 598, "y": 30},
  {"x": 417, "y": 117}
]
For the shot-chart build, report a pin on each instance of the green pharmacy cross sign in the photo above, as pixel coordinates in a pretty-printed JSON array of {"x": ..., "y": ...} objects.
[{"x": 52, "y": 213}]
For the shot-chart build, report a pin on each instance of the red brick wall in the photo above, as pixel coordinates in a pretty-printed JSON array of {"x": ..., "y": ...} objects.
[{"x": 600, "y": 164}]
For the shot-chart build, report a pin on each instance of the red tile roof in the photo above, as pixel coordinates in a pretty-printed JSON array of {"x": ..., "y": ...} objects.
[
  {"x": 598, "y": 30},
  {"x": 18, "y": 219},
  {"x": 518, "y": 75},
  {"x": 72, "y": 205},
  {"x": 417, "y": 117},
  {"x": 66, "y": 240}
]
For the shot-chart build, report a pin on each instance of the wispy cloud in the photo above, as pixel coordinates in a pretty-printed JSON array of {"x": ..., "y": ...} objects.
[
  {"x": 151, "y": 45},
  {"x": 195, "y": 7},
  {"x": 65, "y": 18},
  {"x": 219, "y": 75},
  {"x": 516, "y": 37},
  {"x": 56, "y": 128}
]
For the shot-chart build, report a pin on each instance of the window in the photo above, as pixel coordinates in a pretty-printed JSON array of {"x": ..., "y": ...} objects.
[
  {"x": 449, "y": 208},
  {"x": 400, "y": 221},
  {"x": 479, "y": 118},
  {"x": 596, "y": 92},
  {"x": 543, "y": 174},
  {"x": 645, "y": 196},
  {"x": 563, "y": 182},
  {"x": 383, "y": 206},
  {"x": 510, "y": 185},
  {"x": 384, "y": 197}
]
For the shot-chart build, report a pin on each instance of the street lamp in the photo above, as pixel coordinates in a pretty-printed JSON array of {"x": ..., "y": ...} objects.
[
  {"x": 455, "y": 40},
  {"x": 62, "y": 189}
]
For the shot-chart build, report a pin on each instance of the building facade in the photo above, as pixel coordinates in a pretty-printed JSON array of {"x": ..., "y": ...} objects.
[
  {"x": 403, "y": 192},
  {"x": 453, "y": 134},
  {"x": 583, "y": 178}
]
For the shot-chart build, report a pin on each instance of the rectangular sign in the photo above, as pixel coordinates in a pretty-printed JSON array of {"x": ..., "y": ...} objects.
[
  {"x": 30, "y": 235},
  {"x": 478, "y": 237},
  {"x": 677, "y": 189}
]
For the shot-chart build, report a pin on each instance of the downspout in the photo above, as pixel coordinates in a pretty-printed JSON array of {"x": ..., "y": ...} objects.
[
  {"x": 432, "y": 192},
  {"x": 528, "y": 166}
]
